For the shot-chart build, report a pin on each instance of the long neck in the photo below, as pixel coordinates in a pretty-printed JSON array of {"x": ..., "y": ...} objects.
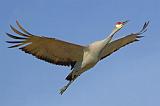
[
  {"x": 101, "y": 44},
  {"x": 109, "y": 38},
  {"x": 98, "y": 46}
]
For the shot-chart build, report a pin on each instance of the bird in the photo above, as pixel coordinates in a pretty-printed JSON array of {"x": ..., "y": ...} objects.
[{"x": 80, "y": 58}]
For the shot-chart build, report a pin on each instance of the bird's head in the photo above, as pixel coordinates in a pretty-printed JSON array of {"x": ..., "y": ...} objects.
[{"x": 119, "y": 25}]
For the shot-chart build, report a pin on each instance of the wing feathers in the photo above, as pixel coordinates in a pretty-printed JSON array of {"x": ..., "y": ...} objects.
[
  {"x": 48, "y": 49},
  {"x": 22, "y": 28},
  {"x": 18, "y": 32},
  {"x": 144, "y": 29},
  {"x": 14, "y": 37},
  {"x": 117, "y": 44}
]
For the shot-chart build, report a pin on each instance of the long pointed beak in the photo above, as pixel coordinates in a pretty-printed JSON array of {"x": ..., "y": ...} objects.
[{"x": 125, "y": 22}]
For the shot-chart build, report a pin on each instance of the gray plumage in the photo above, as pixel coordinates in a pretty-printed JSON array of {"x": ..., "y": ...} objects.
[{"x": 80, "y": 58}]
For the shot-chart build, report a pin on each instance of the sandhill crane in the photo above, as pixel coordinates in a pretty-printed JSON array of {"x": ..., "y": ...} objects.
[{"x": 80, "y": 58}]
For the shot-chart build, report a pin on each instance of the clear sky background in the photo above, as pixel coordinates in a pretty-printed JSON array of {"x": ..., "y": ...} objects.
[{"x": 129, "y": 77}]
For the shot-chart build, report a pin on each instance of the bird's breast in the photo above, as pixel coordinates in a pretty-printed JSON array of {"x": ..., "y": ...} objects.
[{"x": 89, "y": 60}]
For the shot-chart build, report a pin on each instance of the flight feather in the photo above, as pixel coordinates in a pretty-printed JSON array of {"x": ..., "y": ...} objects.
[{"x": 48, "y": 49}]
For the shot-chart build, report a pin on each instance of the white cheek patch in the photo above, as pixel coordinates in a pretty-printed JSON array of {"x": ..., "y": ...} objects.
[{"x": 119, "y": 25}]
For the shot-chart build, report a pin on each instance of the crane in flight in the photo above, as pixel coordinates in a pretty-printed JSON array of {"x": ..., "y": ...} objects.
[{"x": 80, "y": 58}]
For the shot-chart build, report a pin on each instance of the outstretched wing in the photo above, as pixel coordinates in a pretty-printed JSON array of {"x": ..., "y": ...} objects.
[
  {"x": 117, "y": 44},
  {"x": 48, "y": 49}
]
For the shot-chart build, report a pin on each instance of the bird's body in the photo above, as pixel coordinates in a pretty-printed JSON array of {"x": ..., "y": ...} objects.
[
  {"x": 91, "y": 55},
  {"x": 80, "y": 58},
  {"x": 90, "y": 58}
]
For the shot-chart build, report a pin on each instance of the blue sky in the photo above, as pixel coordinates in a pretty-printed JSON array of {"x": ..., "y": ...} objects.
[{"x": 129, "y": 77}]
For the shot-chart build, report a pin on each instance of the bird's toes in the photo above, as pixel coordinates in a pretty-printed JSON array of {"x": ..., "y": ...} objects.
[{"x": 62, "y": 90}]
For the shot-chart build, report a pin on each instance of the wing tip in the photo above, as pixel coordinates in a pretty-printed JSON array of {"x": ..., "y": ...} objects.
[
  {"x": 140, "y": 36},
  {"x": 144, "y": 28},
  {"x": 14, "y": 37},
  {"x": 21, "y": 28},
  {"x": 18, "y": 32}
]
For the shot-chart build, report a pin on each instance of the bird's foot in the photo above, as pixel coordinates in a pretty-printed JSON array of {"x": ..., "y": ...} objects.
[
  {"x": 62, "y": 90},
  {"x": 65, "y": 87}
]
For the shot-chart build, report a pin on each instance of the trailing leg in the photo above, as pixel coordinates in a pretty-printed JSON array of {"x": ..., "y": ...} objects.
[{"x": 62, "y": 90}]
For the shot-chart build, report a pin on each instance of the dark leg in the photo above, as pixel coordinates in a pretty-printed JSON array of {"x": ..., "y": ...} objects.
[
  {"x": 62, "y": 90},
  {"x": 71, "y": 77}
]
